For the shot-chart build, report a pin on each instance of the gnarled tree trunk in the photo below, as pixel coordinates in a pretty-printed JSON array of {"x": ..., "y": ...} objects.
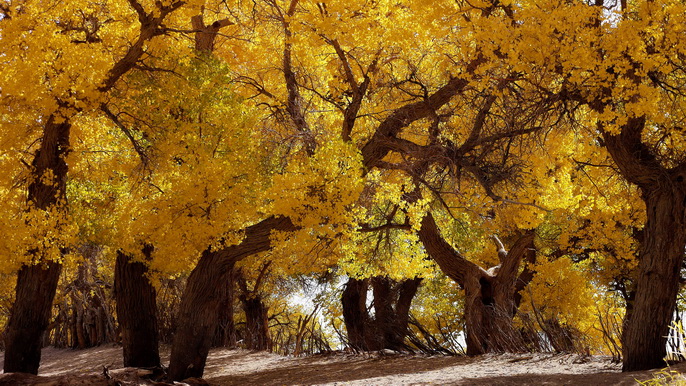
[
  {"x": 256, "y": 323},
  {"x": 389, "y": 326},
  {"x": 660, "y": 259},
  {"x": 136, "y": 311},
  {"x": 197, "y": 318},
  {"x": 661, "y": 252},
  {"x": 392, "y": 301},
  {"x": 491, "y": 298}
]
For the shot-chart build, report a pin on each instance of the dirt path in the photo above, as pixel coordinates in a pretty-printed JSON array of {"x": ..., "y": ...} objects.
[{"x": 241, "y": 367}]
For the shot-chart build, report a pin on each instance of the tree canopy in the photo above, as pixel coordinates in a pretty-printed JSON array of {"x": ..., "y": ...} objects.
[{"x": 530, "y": 151}]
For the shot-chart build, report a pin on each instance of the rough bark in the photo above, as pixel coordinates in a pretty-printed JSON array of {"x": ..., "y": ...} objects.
[
  {"x": 256, "y": 323},
  {"x": 660, "y": 259},
  {"x": 392, "y": 301},
  {"x": 137, "y": 312},
  {"x": 389, "y": 326},
  {"x": 225, "y": 334},
  {"x": 661, "y": 250},
  {"x": 490, "y": 296},
  {"x": 197, "y": 318},
  {"x": 354, "y": 303},
  {"x": 30, "y": 316},
  {"x": 37, "y": 284}
]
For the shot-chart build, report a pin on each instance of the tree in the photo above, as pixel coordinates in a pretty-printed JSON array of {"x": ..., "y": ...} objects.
[
  {"x": 256, "y": 311},
  {"x": 630, "y": 83},
  {"x": 46, "y": 99},
  {"x": 136, "y": 312}
]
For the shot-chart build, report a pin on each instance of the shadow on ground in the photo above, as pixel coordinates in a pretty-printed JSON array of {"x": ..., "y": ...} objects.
[{"x": 317, "y": 370}]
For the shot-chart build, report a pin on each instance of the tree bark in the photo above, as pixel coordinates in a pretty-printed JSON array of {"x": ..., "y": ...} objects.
[
  {"x": 36, "y": 286},
  {"x": 136, "y": 311},
  {"x": 660, "y": 258},
  {"x": 225, "y": 334},
  {"x": 354, "y": 303},
  {"x": 256, "y": 323},
  {"x": 37, "y": 283},
  {"x": 392, "y": 301},
  {"x": 490, "y": 296},
  {"x": 197, "y": 318},
  {"x": 661, "y": 251},
  {"x": 389, "y": 326}
]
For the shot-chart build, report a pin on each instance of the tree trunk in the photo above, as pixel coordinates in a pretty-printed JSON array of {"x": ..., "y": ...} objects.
[
  {"x": 389, "y": 326},
  {"x": 37, "y": 284},
  {"x": 256, "y": 323},
  {"x": 562, "y": 338},
  {"x": 490, "y": 296},
  {"x": 197, "y": 318},
  {"x": 225, "y": 334},
  {"x": 660, "y": 258},
  {"x": 354, "y": 302},
  {"x": 136, "y": 311},
  {"x": 661, "y": 251},
  {"x": 392, "y": 302}
]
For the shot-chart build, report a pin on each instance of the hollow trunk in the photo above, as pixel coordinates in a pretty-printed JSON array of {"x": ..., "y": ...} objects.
[
  {"x": 256, "y": 323},
  {"x": 354, "y": 303},
  {"x": 660, "y": 259},
  {"x": 137, "y": 312},
  {"x": 197, "y": 318},
  {"x": 37, "y": 284}
]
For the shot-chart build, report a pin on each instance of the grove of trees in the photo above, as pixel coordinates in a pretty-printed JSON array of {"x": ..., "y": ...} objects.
[{"x": 507, "y": 175}]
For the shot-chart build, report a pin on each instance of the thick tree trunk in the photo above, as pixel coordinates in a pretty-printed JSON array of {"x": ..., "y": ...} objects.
[
  {"x": 137, "y": 312},
  {"x": 389, "y": 326},
  {"x": 406, "y": 292},
  {"x": 661, "y": 251},
  {"x": 225, "y": 334},
  {"x": 392, "y": 301},
  {"x": 256, "y": 323},
  {"x": 478, "y": 295},
  {"x": 37, "y": 284},
  {"x": 489, "y": 314},
  {"x": 197, "y": 318},
  {"x": 354, "y": 303},
  {"x": 382, "y": 332},
  {"x": 490, "y": 296},
  {"x": 660, "y": 259}
]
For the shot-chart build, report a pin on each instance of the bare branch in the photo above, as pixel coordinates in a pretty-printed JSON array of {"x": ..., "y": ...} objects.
[
  {"x": 136, "y": 146},
  {"x": 500, "y": 248}
]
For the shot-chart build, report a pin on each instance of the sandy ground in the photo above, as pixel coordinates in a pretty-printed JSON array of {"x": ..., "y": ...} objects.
[{"x": 241, "y": 367}]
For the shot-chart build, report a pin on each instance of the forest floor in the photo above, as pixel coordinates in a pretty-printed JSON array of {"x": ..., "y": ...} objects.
[{"x": 241, "y": 367}]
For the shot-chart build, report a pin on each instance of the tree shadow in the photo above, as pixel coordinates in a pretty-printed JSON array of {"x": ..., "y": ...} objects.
[
  {"x": 317, "y": 370},
  {"x": 595, "y": 379}
]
